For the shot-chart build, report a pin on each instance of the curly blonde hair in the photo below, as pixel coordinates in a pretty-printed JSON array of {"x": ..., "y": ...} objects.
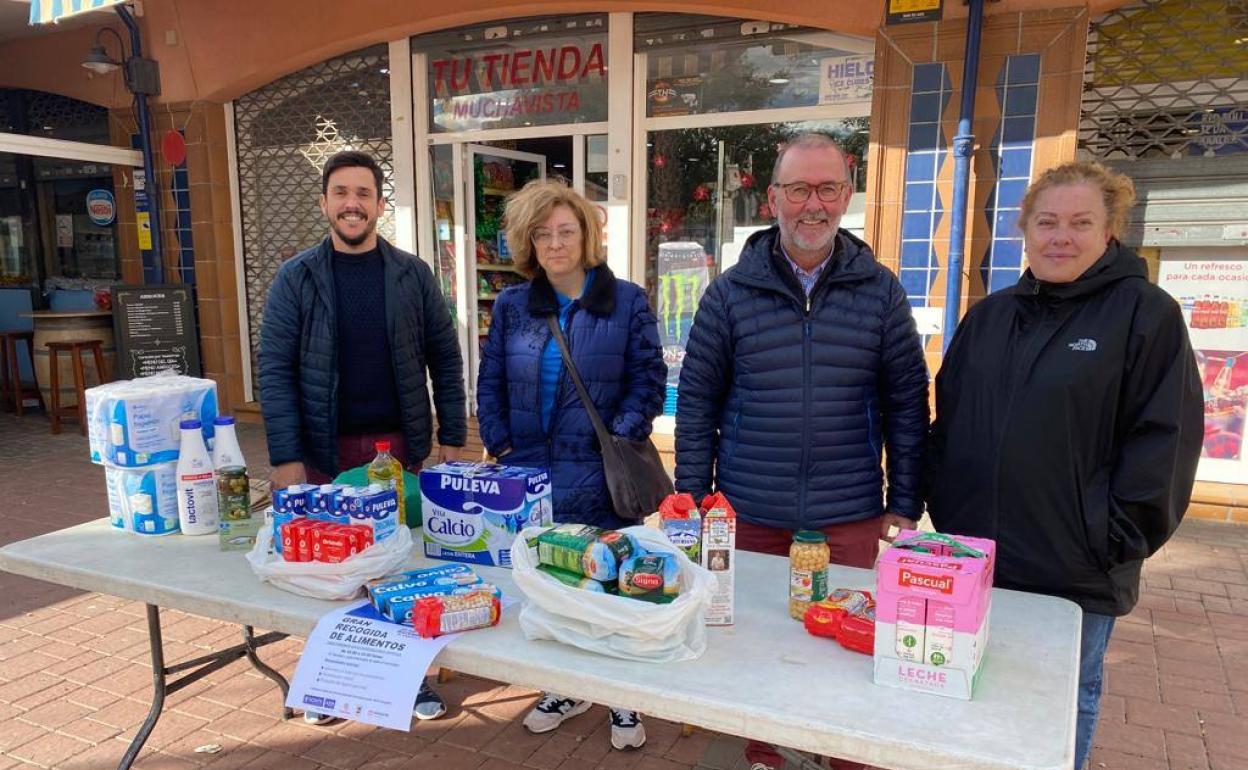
[
  {"x": 1117, "y": 191},
  {"x": 530, "y": 207}
]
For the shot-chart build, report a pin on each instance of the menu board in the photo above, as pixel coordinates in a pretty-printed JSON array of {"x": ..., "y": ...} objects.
[{"x": 155, "y": 329}]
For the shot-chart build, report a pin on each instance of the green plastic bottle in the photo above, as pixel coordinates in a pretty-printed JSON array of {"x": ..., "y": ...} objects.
[{"x": 387, "y": 472}]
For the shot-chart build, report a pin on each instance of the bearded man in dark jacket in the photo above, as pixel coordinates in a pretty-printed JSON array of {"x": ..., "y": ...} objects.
[
  {"x": 354, "y": 332},
  {"x": 802, "y": 367}
]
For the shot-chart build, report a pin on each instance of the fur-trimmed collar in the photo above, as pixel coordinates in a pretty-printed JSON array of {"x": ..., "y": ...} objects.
[{"x": 598, "y": 299}]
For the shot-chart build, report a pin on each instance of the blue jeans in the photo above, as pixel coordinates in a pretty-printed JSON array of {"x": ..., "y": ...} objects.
[{"x": 1092, "y": 643}]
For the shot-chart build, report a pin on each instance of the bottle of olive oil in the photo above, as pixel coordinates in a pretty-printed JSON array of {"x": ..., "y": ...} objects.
[{"x": 387, "y": 472}]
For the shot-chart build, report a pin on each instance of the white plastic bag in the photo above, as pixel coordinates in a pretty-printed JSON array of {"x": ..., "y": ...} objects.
[
  {"x": 616, "y": 625},
  {"x": 322, "y": 580}
]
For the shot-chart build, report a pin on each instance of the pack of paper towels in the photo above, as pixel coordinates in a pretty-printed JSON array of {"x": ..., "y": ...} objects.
[{"x": 134, "y": 423}]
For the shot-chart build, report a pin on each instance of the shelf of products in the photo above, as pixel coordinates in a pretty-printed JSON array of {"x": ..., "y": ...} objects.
[{"x": 499, "y": 266}]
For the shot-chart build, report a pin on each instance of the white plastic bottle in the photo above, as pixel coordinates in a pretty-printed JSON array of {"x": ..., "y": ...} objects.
[
  {"x": 197, "y": 486},
  {"x": 226, "y": 452}
]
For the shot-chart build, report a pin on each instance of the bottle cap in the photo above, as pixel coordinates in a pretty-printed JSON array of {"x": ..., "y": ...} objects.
[
  {"x": 809, "y": 536},
  {"x": 382, "y": 446},
  {"x": 223, "y": 420},
  {"x": 190, "y": 425}
]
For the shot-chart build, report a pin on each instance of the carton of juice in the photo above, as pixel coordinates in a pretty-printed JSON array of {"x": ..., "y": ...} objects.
[
  {"x": 933, "y": 597},
  {"x": 719, "y": 541}
]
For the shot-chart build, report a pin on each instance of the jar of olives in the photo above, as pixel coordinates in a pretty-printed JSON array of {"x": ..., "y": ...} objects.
[{"x": 808, "y": 571}]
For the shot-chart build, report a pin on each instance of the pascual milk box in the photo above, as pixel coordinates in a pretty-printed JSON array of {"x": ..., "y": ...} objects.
[
  {"x": 932, "y": 602},
  {"x": 472, "y": 511}
]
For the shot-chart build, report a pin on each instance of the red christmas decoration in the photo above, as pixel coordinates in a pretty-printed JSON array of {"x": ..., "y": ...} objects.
[
  {"x": 853, "y": 161},
  {"x": 764, "y": 210},
  {"x": 701, "y": 193},
  {"x": 747, "y": 181},
  {"x": 660, "y": 161}
]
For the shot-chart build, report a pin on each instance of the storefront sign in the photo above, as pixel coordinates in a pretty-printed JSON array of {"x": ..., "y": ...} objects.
[
  {"x": 907, "y": 11},
  {"x": 155, "y": 330},
  {"x": 846, "y": 79},
  {"x": 359, "y": 666},
  {"x": 101, "y": 207},
  {"x": 1213, "y": 295},
  {"x": 1220, "y": 131},
  {"x": 547, "y": 83}
]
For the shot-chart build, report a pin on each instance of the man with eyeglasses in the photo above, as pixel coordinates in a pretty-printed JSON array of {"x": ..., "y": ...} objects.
[{"x": 803, "y": 370}]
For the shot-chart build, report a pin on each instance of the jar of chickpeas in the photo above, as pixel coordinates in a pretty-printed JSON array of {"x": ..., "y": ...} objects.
[{"x": 808, "y": 571}]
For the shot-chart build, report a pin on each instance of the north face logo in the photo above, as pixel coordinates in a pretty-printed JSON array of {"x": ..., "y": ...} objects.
[{"x": 1083, "y": 346}]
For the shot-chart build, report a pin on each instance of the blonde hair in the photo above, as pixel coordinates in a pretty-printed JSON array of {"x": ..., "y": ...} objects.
[
  {"x": 1117, "y": 191},
  {"x": 530, "y": 207}
]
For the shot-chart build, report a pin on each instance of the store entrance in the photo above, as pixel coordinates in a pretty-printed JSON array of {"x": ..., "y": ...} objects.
[
  {"x": 495, "y": 174},
  {"x": 492, "y": 171}
]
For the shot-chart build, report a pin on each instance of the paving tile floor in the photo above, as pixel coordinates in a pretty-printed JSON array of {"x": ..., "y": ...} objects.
[{"x": 75, "y": 675}]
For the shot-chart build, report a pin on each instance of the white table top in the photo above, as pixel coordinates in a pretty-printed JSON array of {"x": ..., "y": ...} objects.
[{"x": 763, "y": 678}]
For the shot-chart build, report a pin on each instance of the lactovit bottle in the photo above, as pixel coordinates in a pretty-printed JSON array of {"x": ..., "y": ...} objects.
[
  {"x": 197, "y": 486},
  {"x": 226, "y": 452}
]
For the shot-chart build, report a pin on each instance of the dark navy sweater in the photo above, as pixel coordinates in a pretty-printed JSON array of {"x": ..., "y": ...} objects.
[{"x": 368, "y": 398}]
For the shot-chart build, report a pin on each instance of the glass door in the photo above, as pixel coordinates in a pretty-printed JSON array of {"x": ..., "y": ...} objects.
[{"x": 491, "y": 174}]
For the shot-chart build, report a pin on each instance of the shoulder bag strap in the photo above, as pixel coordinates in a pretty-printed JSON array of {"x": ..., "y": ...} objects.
[{"x": 604, "y": 436}]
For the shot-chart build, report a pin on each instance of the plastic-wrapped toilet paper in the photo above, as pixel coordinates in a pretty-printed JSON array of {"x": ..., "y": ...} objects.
[
  {"x": 134, "y": 423},
  {"x": 145, "y": 500}
]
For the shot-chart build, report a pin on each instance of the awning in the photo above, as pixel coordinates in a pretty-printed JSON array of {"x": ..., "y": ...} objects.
[{"x": 48, "y": 11}]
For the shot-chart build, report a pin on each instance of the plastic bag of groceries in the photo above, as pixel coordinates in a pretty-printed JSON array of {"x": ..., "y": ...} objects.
[
  {"x": 619, "y": 626},
  {"x": 324, "y": 580}
]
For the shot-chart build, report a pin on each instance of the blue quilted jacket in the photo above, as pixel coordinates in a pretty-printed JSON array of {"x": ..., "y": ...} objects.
[
  {"x": 614, "y": 339},
  {"x": 787, "y": 405},
  {"x": 299, "y": 358}
]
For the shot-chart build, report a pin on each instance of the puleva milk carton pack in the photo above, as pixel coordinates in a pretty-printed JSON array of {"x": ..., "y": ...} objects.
[
  {"x": 933, "y": 597},
  {"x": 134, "y": 423},
  {"x": 472, "y": 511}
]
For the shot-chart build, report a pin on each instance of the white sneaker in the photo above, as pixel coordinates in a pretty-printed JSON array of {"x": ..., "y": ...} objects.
[
  {"x": 627, "y": 731},
  {"x": 553, "y": 710},
  {"x": 317, "y": 719}
]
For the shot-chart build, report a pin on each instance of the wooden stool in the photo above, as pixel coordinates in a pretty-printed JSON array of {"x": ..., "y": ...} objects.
[
  {"x": 75, "y": 349},
  {"x": 14, "y": 392}
]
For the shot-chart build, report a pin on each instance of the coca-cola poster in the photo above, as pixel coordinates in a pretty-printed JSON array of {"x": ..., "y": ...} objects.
[{"x": 1211, "y": 287}]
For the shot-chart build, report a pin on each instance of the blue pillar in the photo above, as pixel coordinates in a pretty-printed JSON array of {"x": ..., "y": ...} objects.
[
  {"x": 963, "y": 149},
  {"x": 157, "y": 269}
]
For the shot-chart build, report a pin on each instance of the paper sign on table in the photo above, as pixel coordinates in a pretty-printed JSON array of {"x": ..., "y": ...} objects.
[{"x": 358, "y": 665}]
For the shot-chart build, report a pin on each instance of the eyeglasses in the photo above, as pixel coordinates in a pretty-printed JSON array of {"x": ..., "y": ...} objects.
[
  {"x": 828, "y": 192},
  {"x": 546, "y": 237}
]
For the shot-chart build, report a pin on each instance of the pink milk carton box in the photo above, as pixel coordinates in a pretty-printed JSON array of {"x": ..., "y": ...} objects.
[{"x": 933, "y": 597}]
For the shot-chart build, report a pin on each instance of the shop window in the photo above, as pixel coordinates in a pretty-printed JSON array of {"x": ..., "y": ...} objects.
[
  {"x": 285, "y": 131},
  {"x": 529, "y": 72},
  {"x": 698, "y": 65},
  {"x": 706, "y": 195},
  {"x": 58, "y": 217}
]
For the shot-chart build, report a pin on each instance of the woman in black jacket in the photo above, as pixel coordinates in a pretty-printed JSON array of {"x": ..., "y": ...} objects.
[{"x": 1069, "y": 416}]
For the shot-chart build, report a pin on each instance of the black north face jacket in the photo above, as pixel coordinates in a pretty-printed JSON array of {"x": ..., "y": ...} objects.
[{"x": 1069, "y": 422}]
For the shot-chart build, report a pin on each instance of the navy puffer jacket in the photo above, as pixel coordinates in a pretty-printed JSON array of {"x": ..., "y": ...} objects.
[
  {"x": 299, "y": 358},
  {"x": 787, "y": 404},
  {"x": 614, "y": 339}
]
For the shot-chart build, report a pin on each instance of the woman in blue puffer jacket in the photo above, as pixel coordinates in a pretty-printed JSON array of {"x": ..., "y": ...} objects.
[{"x": 528, "y": 409}]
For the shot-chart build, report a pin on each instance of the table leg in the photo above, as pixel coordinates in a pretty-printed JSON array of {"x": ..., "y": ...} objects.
[
  {"x": 159, "y": 688},
  {"x": 249, "y": 642},
  {"x": 196, "y": 669}
]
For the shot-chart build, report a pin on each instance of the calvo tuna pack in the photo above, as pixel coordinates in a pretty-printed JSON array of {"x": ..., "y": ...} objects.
[{"x": 472, "y": 511}]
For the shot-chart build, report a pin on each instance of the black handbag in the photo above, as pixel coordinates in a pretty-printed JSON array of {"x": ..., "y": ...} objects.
[{"x": 636, "y": 478}]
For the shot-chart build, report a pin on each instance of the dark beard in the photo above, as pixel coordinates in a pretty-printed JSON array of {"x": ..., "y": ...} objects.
[{"x": 357, "y": 240}]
